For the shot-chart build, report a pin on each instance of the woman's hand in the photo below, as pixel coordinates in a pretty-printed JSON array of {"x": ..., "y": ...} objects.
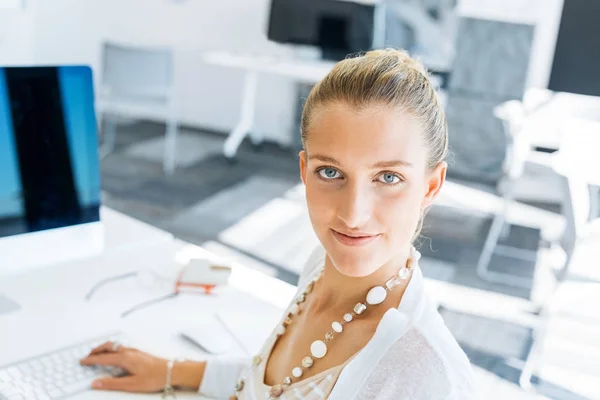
[{"x": 146, "y": 373}]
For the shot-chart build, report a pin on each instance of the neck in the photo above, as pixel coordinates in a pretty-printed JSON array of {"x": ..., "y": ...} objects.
[{"x": 340, "y": 293}]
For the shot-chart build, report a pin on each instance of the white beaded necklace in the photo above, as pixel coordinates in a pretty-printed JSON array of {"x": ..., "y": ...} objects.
[{"x": 318, "y": 349}]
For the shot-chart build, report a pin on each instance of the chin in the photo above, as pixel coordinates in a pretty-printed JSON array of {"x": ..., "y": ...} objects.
[{"x": 352, "y": 262}]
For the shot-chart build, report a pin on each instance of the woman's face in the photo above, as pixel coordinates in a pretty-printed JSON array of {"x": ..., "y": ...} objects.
[{"x": 367, "y": 182}]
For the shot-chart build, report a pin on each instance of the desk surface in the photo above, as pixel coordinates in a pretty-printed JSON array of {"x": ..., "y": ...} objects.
[
  {"x": 122, "y": 231},
  {"x": 54, "y": 313},
  {"x": 547, "y": 124},
  {"x": 310, "y": 71}
]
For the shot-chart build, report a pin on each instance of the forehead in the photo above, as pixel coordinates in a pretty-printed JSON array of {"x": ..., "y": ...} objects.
[{"x": 371, "y": 134}]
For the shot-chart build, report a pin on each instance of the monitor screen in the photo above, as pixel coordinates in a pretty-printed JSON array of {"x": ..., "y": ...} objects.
[
  {"x": 338, "y": 27},
  {"x": 576, "y": 66},
  {"x": 49, "y": 168}
]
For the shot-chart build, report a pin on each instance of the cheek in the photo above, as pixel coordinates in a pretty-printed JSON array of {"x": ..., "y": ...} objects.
[
  {"x": 319, "y": 202},
  {"x": 398, "y": 214}
]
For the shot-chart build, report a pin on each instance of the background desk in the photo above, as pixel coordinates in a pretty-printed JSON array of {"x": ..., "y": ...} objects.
[
  {"x": 54, "y": 313},
  {"x": 307, "y": 71}
]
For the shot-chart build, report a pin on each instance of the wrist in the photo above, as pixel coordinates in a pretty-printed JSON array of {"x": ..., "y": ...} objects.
[{"x": 188, "y": 374}]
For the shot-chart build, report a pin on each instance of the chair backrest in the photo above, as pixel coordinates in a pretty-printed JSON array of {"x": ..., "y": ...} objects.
[
  {"x": 136, "y": 71},
  {"x": 490, "y": 67}
]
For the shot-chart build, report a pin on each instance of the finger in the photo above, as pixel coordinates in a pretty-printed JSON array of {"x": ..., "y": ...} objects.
[
  {"x": 107, "y": 348},
  {"x": 112, "y": 359},
  {"x": 126, "y": 384},
  {"x": 103, "y": 348}
]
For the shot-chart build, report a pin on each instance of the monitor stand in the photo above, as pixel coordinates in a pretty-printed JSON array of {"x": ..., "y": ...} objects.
[{"x": 7, "y": 305}]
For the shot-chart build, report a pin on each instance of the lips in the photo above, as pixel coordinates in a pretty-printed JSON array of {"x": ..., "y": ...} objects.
[{"x": 354, "y": 239}]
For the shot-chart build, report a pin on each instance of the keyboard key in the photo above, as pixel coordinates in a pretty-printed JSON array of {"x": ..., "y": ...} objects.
[
  {"x": 26, "y": 369},
  {"x": 14, "y": 372},
  {"x": 55, "y": 393}
]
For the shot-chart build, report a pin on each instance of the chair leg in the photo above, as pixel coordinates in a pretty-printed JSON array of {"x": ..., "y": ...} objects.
[
  {"x": 490, "y": 243},
  {"x": 505, "y": 233},
  {"x": 109, "y": 126},
  {"x": 535, "y": 351},
  {"x": 170, "y": 156},
  {"x": 575, "y": 208}
]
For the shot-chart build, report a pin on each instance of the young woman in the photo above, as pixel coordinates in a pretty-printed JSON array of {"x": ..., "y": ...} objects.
[{"x": 361, "y": 327}]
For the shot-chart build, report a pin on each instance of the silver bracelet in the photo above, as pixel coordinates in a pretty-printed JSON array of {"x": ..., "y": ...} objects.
[{"x": 169, "y": 391}]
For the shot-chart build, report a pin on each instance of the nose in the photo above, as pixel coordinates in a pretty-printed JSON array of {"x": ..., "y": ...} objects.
[{"x": 356, "y": 206}]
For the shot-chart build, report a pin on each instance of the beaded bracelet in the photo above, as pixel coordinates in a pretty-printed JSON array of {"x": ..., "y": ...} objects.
[{"x": 169, "y": 391}]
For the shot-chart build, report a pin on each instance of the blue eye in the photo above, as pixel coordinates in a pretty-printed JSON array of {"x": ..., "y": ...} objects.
[
  {"x": 390, "y": 178},
  {"x": 328, "y": 173}
]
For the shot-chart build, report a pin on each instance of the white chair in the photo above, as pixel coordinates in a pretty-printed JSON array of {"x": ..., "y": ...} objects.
[
  {"x": 135, "y": 80},
  {"x": 512, "y": 114},
  {"x": 568, "y": 300}
]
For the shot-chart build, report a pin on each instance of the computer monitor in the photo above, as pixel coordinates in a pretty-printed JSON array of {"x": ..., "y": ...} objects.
[
  {"x": 49, "y": 168},
  {"x": 337, "y": 27},
  {"x": 576, "y": 66}
]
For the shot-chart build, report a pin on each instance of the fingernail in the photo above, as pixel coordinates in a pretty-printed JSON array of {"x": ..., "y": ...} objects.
[{"x": 96, "y": 384}]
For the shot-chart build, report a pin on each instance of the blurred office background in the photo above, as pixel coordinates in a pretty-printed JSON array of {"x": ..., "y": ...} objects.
[{"x": 510, "y": 250}]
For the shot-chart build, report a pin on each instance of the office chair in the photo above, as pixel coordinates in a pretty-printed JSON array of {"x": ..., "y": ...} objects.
[
  {"x": 512, "y": 114},
  {"x": 134, "y": 79}
]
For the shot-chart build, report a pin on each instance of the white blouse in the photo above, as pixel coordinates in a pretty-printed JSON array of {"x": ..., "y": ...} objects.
[{"x": 412, "y": 355}]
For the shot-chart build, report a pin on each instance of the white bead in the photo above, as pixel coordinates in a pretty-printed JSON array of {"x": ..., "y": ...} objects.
[
  {"x": 318, "y": 349},
  {"x": 404, "y": 273},
  {"x": 280, "y": 330},
  {"x": 294, "y": 309},
  {"x": 376, "y": 295},
  {"x": 347, "y": 317},
  {"x": 307, "y": 362},
  {"x": 337, "y": 327},
  {"x": 297, "y": 372}
]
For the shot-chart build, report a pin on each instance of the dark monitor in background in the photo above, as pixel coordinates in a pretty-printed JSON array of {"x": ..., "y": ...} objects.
[
  {"x": 576, "y": 66},
  {"x": 337, "y": 27}
]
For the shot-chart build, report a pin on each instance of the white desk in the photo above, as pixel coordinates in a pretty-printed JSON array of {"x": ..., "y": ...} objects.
[
  {"x": 577, "y": 157},
  {"x": 123, "y": 232},
  {"x": 299, "y": 70},
  {"x": 54, "y": 313},
  {"x": 548, "y": 112}
]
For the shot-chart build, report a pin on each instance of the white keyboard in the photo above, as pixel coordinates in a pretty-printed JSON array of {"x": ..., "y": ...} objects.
[{"x": 55, "y": 375}]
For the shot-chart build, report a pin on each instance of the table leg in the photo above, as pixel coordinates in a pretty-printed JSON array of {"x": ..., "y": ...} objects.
[
  {"x": 575, "y": 208},
  {"x": 247, "y": 115},
  {"x": 594, "y": 202}
]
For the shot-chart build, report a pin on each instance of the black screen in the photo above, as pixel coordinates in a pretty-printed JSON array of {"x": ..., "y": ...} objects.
[
  {"x": 50, "y": 198},
  {"x": 576, "y": 66},
  {"x": 49, "y": 172},
  {"x": 337, "y": 27}
]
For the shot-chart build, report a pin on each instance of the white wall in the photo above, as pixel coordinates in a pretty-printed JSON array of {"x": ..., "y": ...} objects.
[
  {"x": 16, "y": 36},
  {"x": 71, "y": 31}
]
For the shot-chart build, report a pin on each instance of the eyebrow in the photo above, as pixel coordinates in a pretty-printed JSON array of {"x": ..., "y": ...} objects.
[{"x": 380, "y": 164}]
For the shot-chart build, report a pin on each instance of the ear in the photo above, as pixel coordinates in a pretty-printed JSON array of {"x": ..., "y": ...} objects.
[
  {"x": 434, "y": 183},
  {"x": 303, "y": 166}
]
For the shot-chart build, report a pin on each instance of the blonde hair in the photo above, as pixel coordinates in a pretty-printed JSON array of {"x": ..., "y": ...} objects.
[{"x": 387, "y": 77}]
